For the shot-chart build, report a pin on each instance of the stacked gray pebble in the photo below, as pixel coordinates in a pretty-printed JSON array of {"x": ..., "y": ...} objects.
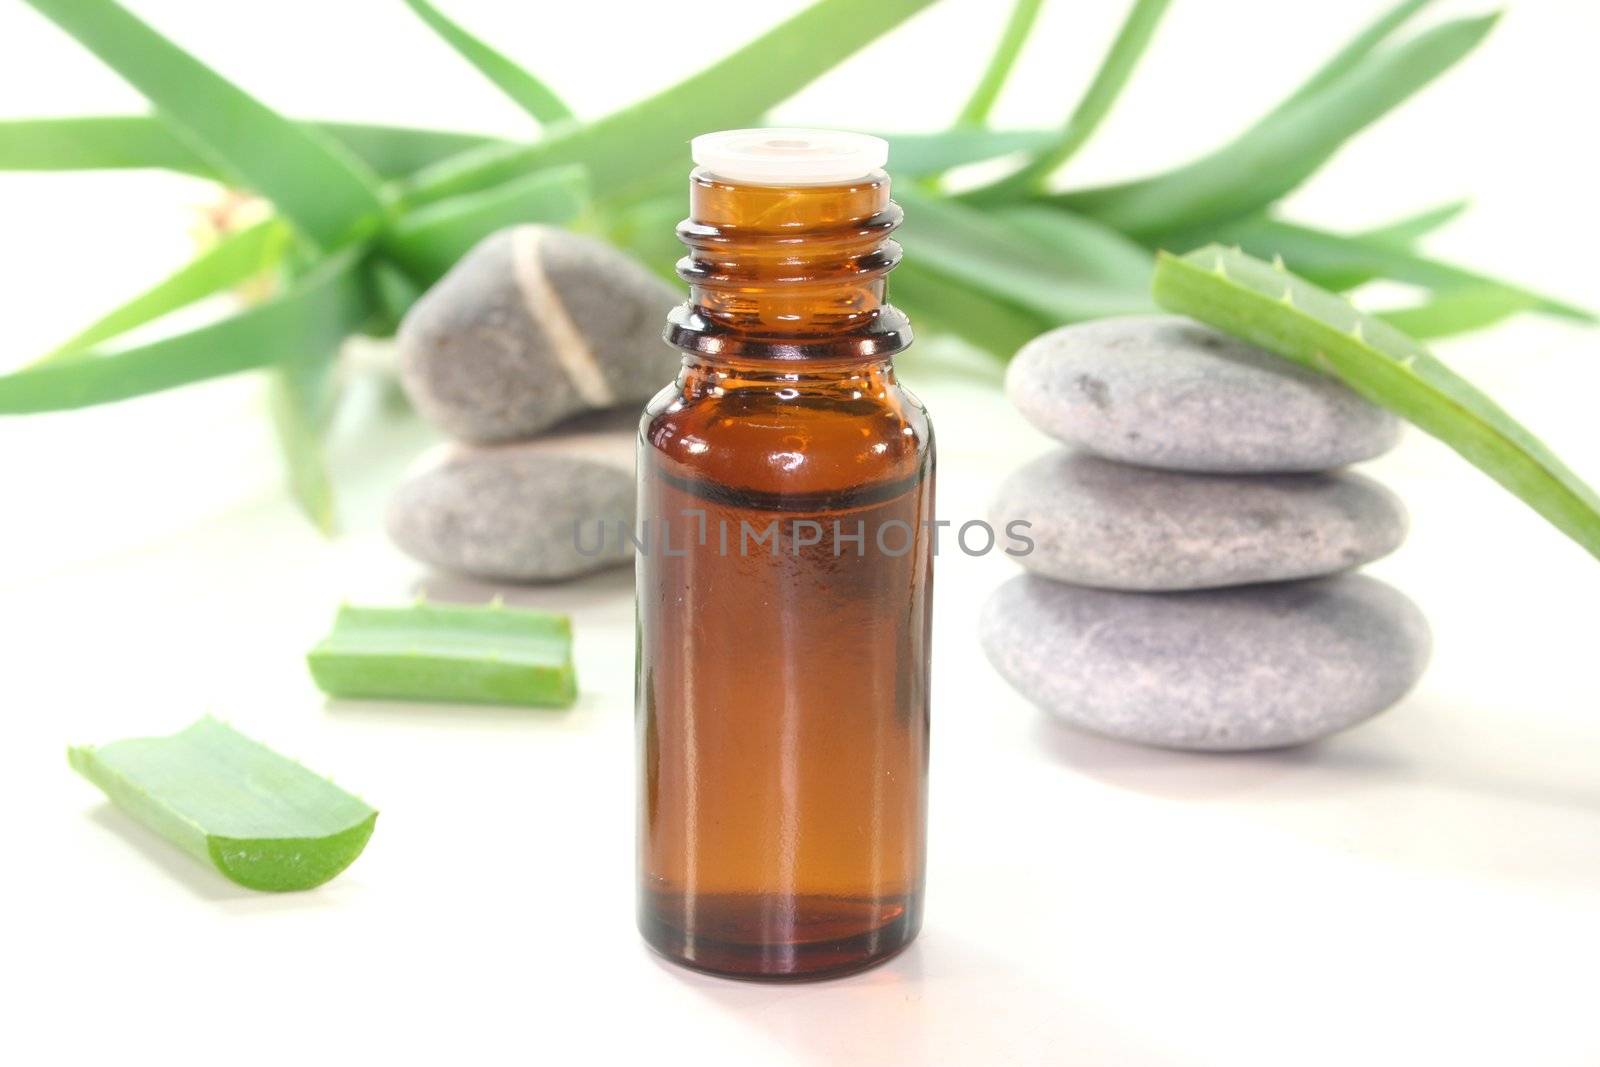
[
  {"x": 534, "y": 353},
  {"x": 1188, "y": 585}
]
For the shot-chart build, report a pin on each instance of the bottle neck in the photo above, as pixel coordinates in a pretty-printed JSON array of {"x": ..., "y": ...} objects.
[{"x": 789, "y": 274}]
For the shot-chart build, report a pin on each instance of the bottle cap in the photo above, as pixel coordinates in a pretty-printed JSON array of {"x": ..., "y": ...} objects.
[{"x": 789, "y": 156}]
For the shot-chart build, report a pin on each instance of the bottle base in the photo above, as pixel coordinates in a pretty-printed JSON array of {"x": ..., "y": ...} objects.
[{"x": 777, "y": 938}]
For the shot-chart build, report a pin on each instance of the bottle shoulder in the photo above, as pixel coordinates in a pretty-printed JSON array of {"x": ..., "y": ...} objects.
[{"x": 786, "y": 436}]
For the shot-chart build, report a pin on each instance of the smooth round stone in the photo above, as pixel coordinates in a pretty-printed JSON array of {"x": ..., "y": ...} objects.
[
  {"x": 1223, "y": 669},
  {"x": 1094, "y": 522},
  {"x": 507, "y": 512},
  {"x": 1165, "y": 391},
  {"x": 531, "y": 327}
]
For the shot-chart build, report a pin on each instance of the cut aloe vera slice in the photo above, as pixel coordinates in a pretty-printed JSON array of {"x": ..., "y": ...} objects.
[
  {"x": 460, "y": 653},
  {"x": 262, "y": 820}
]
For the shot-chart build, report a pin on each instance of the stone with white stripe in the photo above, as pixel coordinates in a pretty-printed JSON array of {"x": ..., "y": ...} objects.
[{"x": 531, "y": 327}]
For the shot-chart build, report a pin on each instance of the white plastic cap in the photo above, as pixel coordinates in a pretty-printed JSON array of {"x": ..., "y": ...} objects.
[{"x": 789, "y": 156}]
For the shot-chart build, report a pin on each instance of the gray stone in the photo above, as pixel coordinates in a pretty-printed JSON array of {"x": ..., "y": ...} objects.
[
  {"x": 507, "y": 512},
  {"x": 531, "y": 327},
  {"x": 1094, "y": 522},
  {"x": 1164, "y": 391},
  {"x": 1225, "y": 669}
]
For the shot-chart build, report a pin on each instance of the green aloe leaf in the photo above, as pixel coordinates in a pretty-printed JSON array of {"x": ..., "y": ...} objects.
[
  {"x": 1359, "y": 47},
  {"x": 1114, "y": 71},
  {"x": 1402, "y": 233},
  {"x": 302, "y": 392},
  {"x": 324, "y": 190},
  {"x": 1321, "y": 255},
  {"x": 145, "y": 142},
  {"x": 1459, "y": 311},
  {"x": 235, "y": 259},
  {"x": 939, "y": 304},
  {"x": 641, "y": 139},
  {"x": 1023, "y": 15},
  {"x": 259, "y": 819},
  {"x": 1058, "y": 282},
  {"x": 313, "y": 314},
  {"x": 427, "y": 242},
  {"x": 529, "y": 93},
  {"x": 918, "y": 155},
  {"x": 460, "y": 653},
  {"x": 1098, "y": 249},
  {"x": 1285, "y": 314},
  {"x": 1272, "y": 158}
]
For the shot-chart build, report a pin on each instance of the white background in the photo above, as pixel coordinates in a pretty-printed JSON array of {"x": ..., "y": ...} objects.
[{"x": 1421, "y": 889}]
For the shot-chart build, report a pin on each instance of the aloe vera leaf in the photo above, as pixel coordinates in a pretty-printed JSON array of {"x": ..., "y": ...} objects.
[
  {"x": 1058, "y": 283},
  {"x": 301, "y": 394},
  {"x": 313, "y": 314},
  {"x": 427, "y": 242},
  {"x": 1404, "y": 232},
  {"x": 324, "y": 190},
  {"x": 1113, "y": 73},
  {"x": 261, "y": 820},
  {"x": 145, "y": 142},
  {"x": 1457, "y": 311},
  {"x": 1317, "y": 253},
  {"x": 1018, "y": 25},
  {"x": 939, "y": 304},
  {"x": 652, "y": 134},
  {"x": 1104, "y": 251},
  {"x": 1275, "y": 156},
  {"x": 529, "y": 93},
  {"x": 460, "y": 653},
  {"x": 1358, "y": 48},
  {"x": 918, "y": 155},
  {"x": 233, "y": 260},
  {"x": 1268, "y": 306}
]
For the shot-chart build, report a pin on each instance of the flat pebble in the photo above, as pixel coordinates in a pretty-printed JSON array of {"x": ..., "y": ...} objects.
[
  {"x": 1095, "y": 522},
  {"x": 1227, "y": 669},
  {"x": 531, "y": 327},
  {"x": 507, "y": 512},
  {"x": 1165, "y": 391}
]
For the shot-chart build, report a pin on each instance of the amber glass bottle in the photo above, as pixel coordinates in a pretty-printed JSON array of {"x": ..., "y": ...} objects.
[{"x": 786, "y": 496}]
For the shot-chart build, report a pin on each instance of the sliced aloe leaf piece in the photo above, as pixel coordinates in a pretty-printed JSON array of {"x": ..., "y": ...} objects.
[
  {"x": 145, "y": 142},
  {"x": 1285, "y": 314},
  {"x": 311, "y": 315},
  {"x": 324, "y": 190},
  {"x": 233, "y": 260},
  {"x": 1061, "y": 284},
  {"x": 1109, "y": 79},
  {"x": 1458, "y": 311},
  {"x": 427, "y": 242},
  {"x": 1018, "y": 25},
  {"x": 1359, "y": 47},
  {"x": 261, "y": 820},
  {"x": 529, "y": 93},
  {"x": 654, "y": 133},
  {"x": 1275, "y": 156},
  {"x": 459, "y": 653}
]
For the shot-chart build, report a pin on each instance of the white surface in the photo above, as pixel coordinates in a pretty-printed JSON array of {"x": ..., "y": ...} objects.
[
  {"x": 1420, "y": 890},
  {"x": 776, "y": 155}
]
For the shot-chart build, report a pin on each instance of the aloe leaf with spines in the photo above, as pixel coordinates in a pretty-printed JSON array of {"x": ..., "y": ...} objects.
[
  {"x": 259, "y": 819},
  {"x": 527, "y": 91},
  {"x": 457, "y": 653},
  {"x": 646, "y": 136},
  {"x": 236, "y": 258},
  {"x": 1272, "y": 158},
  {"x": 1117, "y": 66},
  {"x": 327, "y": 193},
  {"x": 1012, "y": 37},
  {"x": 1268, "y": 306},
  {"x": 147, "y": 142},
  {"x": 314, "y": 313}
]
